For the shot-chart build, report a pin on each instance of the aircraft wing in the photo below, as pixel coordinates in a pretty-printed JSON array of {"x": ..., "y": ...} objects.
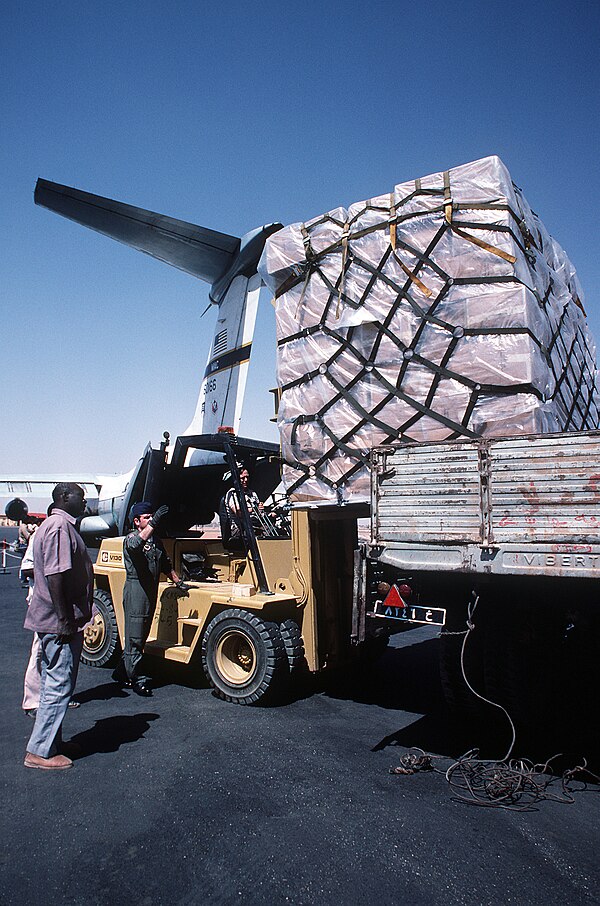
[{"x": 203, "y": 253}]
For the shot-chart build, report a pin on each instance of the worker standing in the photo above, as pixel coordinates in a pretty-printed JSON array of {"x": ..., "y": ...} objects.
[
  {"x": 145, "y": 559},
  {"x": 60, "y": 607}
]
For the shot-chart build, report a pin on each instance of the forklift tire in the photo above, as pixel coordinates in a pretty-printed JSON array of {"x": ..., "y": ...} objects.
[
  {"x": 244, "y": 657},
  {"x": 101, "y": 646},
  {"x": 293, "y": 644}
]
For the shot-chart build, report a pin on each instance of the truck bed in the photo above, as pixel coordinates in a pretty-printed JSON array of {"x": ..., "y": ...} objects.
[{"x": 514, "y": 505}]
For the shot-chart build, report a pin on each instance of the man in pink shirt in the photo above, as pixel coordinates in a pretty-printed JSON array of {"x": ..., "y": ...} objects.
[{"x": 60, "y": 607}]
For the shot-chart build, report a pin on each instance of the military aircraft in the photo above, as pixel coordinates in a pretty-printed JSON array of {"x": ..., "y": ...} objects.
[
  {"x": 229, "y": 264},
  {"x": 25, "y": 495}
]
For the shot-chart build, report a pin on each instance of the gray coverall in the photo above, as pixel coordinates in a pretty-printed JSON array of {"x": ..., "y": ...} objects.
[{"x": 144, "y": 562}]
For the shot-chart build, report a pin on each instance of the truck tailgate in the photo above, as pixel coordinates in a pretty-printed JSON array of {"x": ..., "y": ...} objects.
[{"x": 542, "y": 489}]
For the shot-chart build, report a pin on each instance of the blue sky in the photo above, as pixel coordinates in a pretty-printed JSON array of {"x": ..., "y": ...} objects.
[{"x": 231, "y": 116}]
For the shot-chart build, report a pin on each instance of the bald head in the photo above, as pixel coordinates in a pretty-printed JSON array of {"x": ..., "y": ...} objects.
[{"x": 69, "y": 497}]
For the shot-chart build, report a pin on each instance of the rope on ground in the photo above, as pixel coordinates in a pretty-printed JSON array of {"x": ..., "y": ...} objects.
[
  {"x": 512, "y": 784},
  {"x": 516, "y": 785}
]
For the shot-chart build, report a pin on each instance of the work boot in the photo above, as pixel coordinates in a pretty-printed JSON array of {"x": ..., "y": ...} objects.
[
  {"x": 54, "y": 763},
  {"x": 142, "y": 689}
]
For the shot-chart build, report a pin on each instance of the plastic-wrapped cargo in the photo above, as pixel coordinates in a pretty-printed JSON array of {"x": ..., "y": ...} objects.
[{"x": 441, "y": 309}]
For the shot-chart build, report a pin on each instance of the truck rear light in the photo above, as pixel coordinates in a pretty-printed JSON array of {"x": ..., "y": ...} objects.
[{"x": 394, "y": 598}]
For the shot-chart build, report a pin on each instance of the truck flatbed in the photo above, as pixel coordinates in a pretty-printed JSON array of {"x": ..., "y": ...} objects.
[{"x": 512, "y": 506}]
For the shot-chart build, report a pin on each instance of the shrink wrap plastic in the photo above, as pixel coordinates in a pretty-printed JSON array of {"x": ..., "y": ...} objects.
[{"x": 443, "y": 309}]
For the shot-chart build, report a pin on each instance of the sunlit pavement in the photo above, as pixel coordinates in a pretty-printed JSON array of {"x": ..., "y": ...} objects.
[{"x": 182, "y": 798}]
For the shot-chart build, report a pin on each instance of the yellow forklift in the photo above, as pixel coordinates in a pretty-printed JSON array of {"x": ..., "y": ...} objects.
[{"x": 284, "y": 598}]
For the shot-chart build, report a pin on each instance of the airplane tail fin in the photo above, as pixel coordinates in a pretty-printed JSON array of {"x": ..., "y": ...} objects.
[
  {"x": 227, "y": 262},
  {"x": 203, "y": 253},
  {"x": 224, "y": 381}
]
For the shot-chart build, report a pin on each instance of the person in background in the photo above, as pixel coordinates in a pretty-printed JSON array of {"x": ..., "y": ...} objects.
[
  {"x": 26, "y": 568},
  {"x": 33, "y": 673},
  {"x": 145, "y": 560},
  {"x": 27, "y": 528},
  {"x": 61, "y": 605},
  {"x": 25, "y": 538}
]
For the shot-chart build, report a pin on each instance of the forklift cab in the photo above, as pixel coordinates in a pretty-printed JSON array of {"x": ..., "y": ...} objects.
[{"x": 201, "y": 470}]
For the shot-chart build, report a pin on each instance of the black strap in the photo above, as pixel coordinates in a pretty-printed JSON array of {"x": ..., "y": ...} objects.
[{"x": 574, "y": 386}]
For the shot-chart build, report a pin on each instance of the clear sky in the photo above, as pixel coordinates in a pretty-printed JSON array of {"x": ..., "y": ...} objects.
[{"x": 231, "y": 116}]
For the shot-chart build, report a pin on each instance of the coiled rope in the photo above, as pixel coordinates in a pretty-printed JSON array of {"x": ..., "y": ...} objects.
[{"x": 513, "y": 784}]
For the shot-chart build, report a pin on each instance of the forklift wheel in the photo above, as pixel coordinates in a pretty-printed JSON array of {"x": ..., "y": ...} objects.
[
  {"x": 101, "y": 645},
  {"x": 243, "y": 657},
  {"x": 294, "y": 646}
]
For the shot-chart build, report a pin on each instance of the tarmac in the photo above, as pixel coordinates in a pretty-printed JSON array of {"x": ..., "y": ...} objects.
[{"x": 185, "y": 799}]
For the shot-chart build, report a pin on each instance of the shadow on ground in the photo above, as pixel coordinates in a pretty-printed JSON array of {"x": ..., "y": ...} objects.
[
  {"x": 101, "y": 693},
  {"x": 407, "y": 680},
  {"x": 403, "y": 679},
  {"x": 110, "y": 733}
]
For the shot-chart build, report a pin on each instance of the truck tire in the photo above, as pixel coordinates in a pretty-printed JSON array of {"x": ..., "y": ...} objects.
[
  {"x": 524, "y": 666},
  {"x": 459, "y": 699},
  {"x": 101, "y": 646},
  {"x": 293, "y": 644},
  {"x": 373, "y": 648},
  {"x": 244, "y": 657}
]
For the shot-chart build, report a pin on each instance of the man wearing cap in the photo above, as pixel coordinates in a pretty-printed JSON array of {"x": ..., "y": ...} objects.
[
  {"x": 145, "y": 560},
  {"x": 60, "y": 607}
]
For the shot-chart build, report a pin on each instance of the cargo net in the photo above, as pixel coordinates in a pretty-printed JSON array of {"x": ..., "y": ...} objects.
[{"x": 441, "y": 310}]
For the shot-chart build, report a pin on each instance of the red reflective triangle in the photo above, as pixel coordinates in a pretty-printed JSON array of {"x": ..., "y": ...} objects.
[{"x": 394, "y": 598}]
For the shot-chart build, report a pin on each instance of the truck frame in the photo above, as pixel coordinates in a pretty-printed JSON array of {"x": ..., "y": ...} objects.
[{"x": 512, "y": 523}]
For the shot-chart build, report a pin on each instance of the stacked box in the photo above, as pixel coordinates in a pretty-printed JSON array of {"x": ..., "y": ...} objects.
[{"x": 440, "y": 310}]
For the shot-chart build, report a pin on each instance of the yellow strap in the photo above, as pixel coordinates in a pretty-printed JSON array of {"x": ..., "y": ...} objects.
[
  {"x": 426, "y": 292},
  {"x": 447, "y": 197},
  {"x": 308, "y": 252},
  {"x": 393, "y": 225},
  {"x": 304, "y": 288},
  {"x": 306, "y": 240},
  {"x": 345, "y": 235},
  {"x": 485, "y": 245}
]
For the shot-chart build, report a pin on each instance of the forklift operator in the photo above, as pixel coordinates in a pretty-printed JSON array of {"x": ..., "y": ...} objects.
[
  {"x": 145, "y": 559},
  {"x": 232, "y": 505}
]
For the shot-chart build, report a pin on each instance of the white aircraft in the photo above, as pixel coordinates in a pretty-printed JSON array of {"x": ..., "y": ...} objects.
[
  {"x": 22, "y": 495},
  {"x": 229, "y": 265}
]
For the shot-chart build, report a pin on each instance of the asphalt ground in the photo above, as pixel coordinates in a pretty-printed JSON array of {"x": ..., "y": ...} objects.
[{"x": 184, "y": 799}]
